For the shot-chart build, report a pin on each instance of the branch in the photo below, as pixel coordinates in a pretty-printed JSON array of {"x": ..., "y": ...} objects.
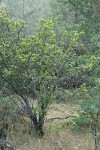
[{"x": 60, "y": 118}]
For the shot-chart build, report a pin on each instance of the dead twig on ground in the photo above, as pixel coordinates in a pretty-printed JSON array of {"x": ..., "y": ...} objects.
[{"x": 59, "y": 118}]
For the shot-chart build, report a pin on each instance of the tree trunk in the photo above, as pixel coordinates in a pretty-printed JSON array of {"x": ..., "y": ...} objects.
[
  {"x": 38, "y": 125},
  {"x": 38, "y": 122}
]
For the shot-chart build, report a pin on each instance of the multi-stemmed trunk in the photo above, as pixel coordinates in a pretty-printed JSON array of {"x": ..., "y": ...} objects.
[
  {"x": 38, "y": 124},
  {"x": 37, "y": 120}
]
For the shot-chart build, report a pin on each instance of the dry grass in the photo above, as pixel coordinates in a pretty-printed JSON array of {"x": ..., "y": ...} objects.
[
  {"x": 64, "y": 140},
  {"x": 56, "y": 137}
]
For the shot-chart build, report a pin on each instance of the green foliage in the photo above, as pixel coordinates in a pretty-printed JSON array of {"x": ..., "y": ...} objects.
[
  {"x": 87, "y": 8},
  {"x": 89, "y": 101},
  {"x": 89, "y": 110},
  {"x": 86, "y": 17},
  {"x": 35, "y": 58}
]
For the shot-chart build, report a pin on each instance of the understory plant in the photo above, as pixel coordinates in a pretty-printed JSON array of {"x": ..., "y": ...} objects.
[{"x": 89, "y": 111}]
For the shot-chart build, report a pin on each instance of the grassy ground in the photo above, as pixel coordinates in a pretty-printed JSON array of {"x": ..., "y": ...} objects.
[{"x": 57, "y": 136}]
